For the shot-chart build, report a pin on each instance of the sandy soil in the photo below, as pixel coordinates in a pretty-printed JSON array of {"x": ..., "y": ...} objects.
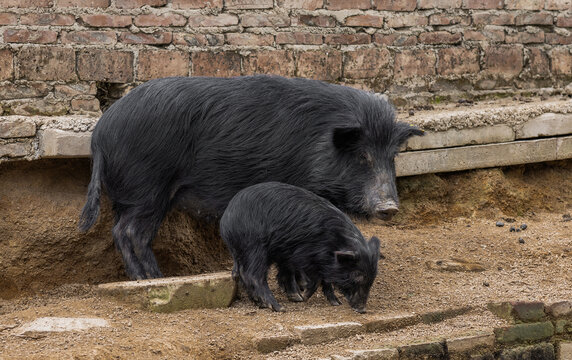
[{"x": 443, "y": 217}]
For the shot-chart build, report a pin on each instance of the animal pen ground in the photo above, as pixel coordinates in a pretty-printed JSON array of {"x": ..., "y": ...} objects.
[{"x": 62, "y": 63}]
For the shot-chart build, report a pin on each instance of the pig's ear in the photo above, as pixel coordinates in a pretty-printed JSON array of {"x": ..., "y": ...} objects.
[
  {"x": 346, "y": 138},
  {"x": 405, "y": 131},
  {"x": 374, "y": 245},
  {"x": 344, "y": 257}
]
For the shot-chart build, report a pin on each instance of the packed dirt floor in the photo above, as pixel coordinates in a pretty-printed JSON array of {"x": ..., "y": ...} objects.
[{"x": 48, "y": 269}]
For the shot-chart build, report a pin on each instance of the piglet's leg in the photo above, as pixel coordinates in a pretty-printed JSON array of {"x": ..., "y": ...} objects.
[
  {"x": 287, "y": 281},
  {"x": 328, "y": 290},
  {"x": 309, "y": 285},
  {"x": 253, "y": 277}
]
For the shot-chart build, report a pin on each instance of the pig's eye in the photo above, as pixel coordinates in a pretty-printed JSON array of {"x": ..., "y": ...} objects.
[{"x": 365, "y": 159}]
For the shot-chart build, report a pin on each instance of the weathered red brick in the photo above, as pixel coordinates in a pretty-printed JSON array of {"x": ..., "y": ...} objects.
[
  {"x": 530, "y": 18},
  {"x": 564, "y": 20},
  {"x": 300, "y": 4},
  {"x": 504, "y": 60},
  {"x": 89, "y": 105},
  {"x": 558, "y": 5},
  {"x": 472, "y": 35},
  {"x": 264, "y": 20},
  {"x": 8, "y": 18},
  {"x": 483, "y": 4},
  {"x": 133, "y": 4},
  {"x": 439, "y": 4},
  {"x": 156, "y": 38},
  {"x": 198, "y": 39},
  {"x": 561, "y": 61},
  {"x": 89, "y": 37},
  {"x": 6, "y": 64},
  {"x": 30, "y": 36},
  {"x": 298, "y": 38},
  {"x": 196, "y": 4},
  {"x": 25, "y": 3},
  {"x": 395, "y": 5},
  {"x": 366, "y": 63},
  {"x": 221, "y": 64},
  {"x": 73, "y": 89},
  {"x": 106, "y": 20},
  {"x": 458, "y": 61},
  {"x": 446, "y": 19},
  {"x": 249, "y": 39},
  {"x": 213, "y": 20},
  {"x": 47, "y": 19},
  {"x": 47, "y": 63},
  {"x": 83, "y": 3},
  {"x": 486, "y": 18},
  {"x": 323, "y": 64},
  {"x": 524, "y": 37},
  {"x": 494, "y": 33},
  {"x": 277, "y": 62},
  {"x": 408, "y": 20},
  {"x": 557, "y": 39},
  {"x": 348, "y": 4},
  {"x": 524, "y": 4},
  {"x": 348, "y": 39},
  {"x": 439, "y": 37},
  {"x": 414, "y": 63},
  {"x": 538, "y": 62},
  {"x": 166, "y": 19},
  {"x": 153, "y": 64},
  {"x": 248, "y": 4},
  {"x": 105, "y": 65},
  {"x": 365, "y": 20},
  {"x": 317, "y": 20},
  {"x": 395, "y": 39}
]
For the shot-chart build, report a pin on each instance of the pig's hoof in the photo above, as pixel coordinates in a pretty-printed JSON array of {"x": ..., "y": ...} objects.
[
  {"x": 295, "y": 297},
  {"x": 335, "y": 302},
  {"x": 278, "y": 308}
]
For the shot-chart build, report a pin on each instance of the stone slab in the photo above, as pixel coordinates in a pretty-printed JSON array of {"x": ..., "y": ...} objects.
[
  {"x": 548, "y": 124},
  {"x": 441, "y": 315},
  {"x": 455, "y": 137},
  {"x": 560, "y": 309},
  {"x": 375, "y": 354},
  {"x": 470, "y": 343},
  {"x": 480, "y": 156},
  {"x": 434, "y": 350},
  {"x": 17, "y": 129},
  {"x": 272, "y": 343},
  {"x": 56, "y": 143},
  {"x": 206, "y": 291},
  {"x": 390, "y": 323},
  {"x": 316, "y": 334},
  {"x": 564, "y": 148},
  {"x": 543, "y": 351},
  {"x": 60, "y": 324},
  {"x": 524, "y": 332}
]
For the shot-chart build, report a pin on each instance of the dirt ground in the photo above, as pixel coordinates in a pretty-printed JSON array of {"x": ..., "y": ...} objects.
[{"x": 48, "y": 269}]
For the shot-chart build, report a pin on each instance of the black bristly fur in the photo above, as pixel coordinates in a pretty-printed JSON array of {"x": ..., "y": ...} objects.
[
  {"x": 193, "y": 143},
  {"x": 305, "y": 236}
]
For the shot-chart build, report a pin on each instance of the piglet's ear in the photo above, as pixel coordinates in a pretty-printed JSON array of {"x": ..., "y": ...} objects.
[
  {"x": 374, "y": 245},
  {"x": 344, "y": 257},
  {"x": 346, "y": 138}
]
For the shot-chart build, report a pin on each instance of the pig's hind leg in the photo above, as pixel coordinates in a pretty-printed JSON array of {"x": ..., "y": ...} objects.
[{"x": 133, "y": 235}]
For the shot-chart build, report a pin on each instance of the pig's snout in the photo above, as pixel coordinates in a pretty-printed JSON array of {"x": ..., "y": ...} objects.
[
  {"x": 386, "y": 211},
  {"x": 360, "y": 310}
]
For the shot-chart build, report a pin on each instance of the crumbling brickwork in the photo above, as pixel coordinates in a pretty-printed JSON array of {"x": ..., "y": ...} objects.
[{"x": 76, "y": 56}]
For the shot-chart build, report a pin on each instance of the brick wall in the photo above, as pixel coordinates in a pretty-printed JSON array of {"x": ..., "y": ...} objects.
[{"x": 76, "y": 56}]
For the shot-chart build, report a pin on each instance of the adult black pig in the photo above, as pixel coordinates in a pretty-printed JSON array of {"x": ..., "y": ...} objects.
[
  {"x": 195, "y": 142},
  {"x": 302, "y": 233}
]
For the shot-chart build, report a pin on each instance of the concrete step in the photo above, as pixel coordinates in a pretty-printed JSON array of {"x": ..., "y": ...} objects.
[{"x": 205, "y": 291}]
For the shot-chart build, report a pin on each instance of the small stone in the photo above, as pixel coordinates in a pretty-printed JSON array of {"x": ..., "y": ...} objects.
[
  {"x": 499, "y": 224},
  {"x": 486, "y": 284},
  {"x": 512, "y": 229},
  {"x": 411, "y": 112},
  {"x": 523, "y": 226},
  {"x": 521, "y": 240},
  {"x": 566, "y": 217}
]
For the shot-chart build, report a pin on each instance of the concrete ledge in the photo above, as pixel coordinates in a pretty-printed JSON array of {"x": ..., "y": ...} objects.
[
  {"x": 176, "y": 293},
  {"x": 60, "y": 143}
]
